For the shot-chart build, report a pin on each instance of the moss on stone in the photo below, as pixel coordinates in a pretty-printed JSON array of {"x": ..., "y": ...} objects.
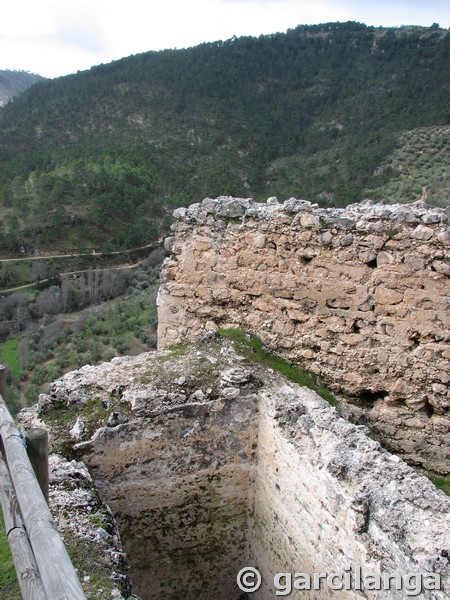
[
  {"x": 440, "y": 481},
  {"x": 250, "y": 346}
]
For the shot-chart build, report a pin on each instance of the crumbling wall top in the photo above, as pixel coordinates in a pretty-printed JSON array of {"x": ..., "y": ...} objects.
[{"x": 363, "y": 216}]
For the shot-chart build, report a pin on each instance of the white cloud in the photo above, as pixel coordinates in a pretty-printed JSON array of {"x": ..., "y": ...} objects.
[
  {"x": 50, "y": 37},
  {"x": 180, "y": 24},
  {"x": 54, "y": 37}
]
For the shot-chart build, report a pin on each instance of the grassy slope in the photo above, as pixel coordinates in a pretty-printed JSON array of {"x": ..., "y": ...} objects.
[
  {"x": 9, "y": 356},
  {"x": 9, "y": 588}
]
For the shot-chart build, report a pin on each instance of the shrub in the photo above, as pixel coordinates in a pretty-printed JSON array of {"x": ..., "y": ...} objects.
[
  {"x": 13, "y": 400},
  {"x": 39, "y": 375},
  {"x": 32, "y": 394},
  {"x": 152, "y": 342}
]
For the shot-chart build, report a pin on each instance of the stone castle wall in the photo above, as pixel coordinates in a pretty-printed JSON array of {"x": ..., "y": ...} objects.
[
  {"x": 211, "y": 464},
  {"x": 359, "y": 296}
]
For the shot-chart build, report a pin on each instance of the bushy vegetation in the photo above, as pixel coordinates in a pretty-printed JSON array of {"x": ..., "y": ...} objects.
[
  {"x": 421, "y": 164},
  {"x": 99, "y": 158},
  {"x": 252, "y": 348},
  {"x": 60, "y": 342}
]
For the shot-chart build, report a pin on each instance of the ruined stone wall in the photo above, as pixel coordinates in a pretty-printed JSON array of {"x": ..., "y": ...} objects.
[
  {"x": 328, "y": 501},
  {"x": 211, "y": 464},
  {"x": 177, "y": 471},
  {"x": 359, "y": 296}
]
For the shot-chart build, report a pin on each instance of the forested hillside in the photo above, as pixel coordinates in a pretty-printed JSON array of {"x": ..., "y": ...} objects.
[
  {"x": 99, "y": 158},
  {"x": 13, "y": 83}
]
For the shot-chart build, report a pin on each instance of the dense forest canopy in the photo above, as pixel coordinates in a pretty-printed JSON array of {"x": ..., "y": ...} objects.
[{"x": 98, "y": 159}]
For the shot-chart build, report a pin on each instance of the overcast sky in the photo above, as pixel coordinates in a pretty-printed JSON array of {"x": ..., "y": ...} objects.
[{"x": 57, "y": 37}]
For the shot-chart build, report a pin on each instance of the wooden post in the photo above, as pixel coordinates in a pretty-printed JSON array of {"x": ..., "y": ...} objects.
[
  {"x": 3, "y": 382},
  {"x": 3, "y": 396},
  {"x": 27, "y": 571},
  {"x": 58, "y": 575},
  {"x": 37, "y": 450}
]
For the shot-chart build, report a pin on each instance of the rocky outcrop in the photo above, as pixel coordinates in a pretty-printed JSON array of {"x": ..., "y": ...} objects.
[
  {"x": 212, "y": 463},
  {"x": 359, "y": 296},
  {"x": 89, "y": 530}
]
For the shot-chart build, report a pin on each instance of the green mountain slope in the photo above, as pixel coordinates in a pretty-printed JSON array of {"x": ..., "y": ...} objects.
[
  {"x": 98, "y": 159},
  {"x": 421, "y": 168},
  {"x": 13, "y": 83}
]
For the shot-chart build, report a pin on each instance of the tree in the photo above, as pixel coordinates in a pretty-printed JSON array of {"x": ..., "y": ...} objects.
[
  {"x": 38, "y": 271},
  {"x": 49, "y": 302}
]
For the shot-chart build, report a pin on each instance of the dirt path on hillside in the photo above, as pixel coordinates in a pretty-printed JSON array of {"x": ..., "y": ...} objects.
[
  {"x": 92, "y": 253},
  {"x": 28, "y": 285}
]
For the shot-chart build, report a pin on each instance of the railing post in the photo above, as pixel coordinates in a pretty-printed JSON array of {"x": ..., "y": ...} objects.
[
  {"x": 28, "y": 576},
  {"x": 3, "y": 381},
  {"x": 37, "y": 450},
  {"x": 2, "y": 395},
  {"x": 59, "y": 578}
]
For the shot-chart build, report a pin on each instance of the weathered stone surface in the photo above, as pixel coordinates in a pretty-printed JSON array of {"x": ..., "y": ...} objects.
[
  {"x": 384, "y": 258},
  {"x": 326, "y": 473},
  {"x": 223, "y": 463},
  {"x": 230, "y": 208},
  {"x": 168, "y": 243},
  {"x": 209, "y": 205},
  {"x": 256, "y": 239},
  {"x": 431, "y": 218},
  {"x": 78, "y": 429},
  {"x": 367, "y": 256},
  {"x": 327, "y": 238},
  {"x": 309, "y": 220},
  {"x": 441, "y": 267},
  {"x": 179, "y": 213},
  {"x": 386, "y": 291},
  {"x": 422, "y": 233},
  {"x": 347, "y": 240},
  {"x": 89, "y": 530},
  {"x": 444, "y": 237},
  {"x": 384, "y": 295}
]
